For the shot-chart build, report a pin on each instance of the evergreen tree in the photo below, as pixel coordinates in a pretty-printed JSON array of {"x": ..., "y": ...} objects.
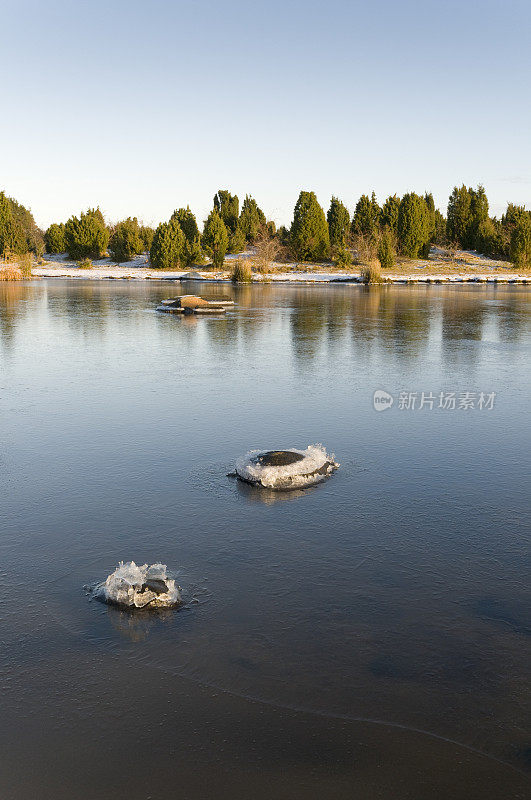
[
  {"x": 32, "y": 233},
  {"x": 440, "y": 228},
  {"x": 192, "y": 253},
  {"x": 167, "y": 246},
  {"x": 252, "y": 219},
  {"x": 521, "y": 242},
  {"x": 479, "y": 204},
  {"x": 215, "y": 238},
  {"x": 54, "y": 238},
  {"x": 12, "y": 235},
  {"x": 386, "y": 249},
  {"x": 430, "y": 224},
  {"x": 468, "y": 213},
  {"x": 86, "y": 236},
  {"x": 512, "y": 216},
  {"x": 126, "y": 241},
  {"x": 342, "y": 256},
  {"x": 146, "y": 234},
  {"x": 389, "y": 217},
  {"x": 19, "y": 232},
  {"x": 413, "y": 225},
  {"x": 338, "y": 223},
  {"x": 376, "y": 210},
  {"x": 309, "y": 229},
  {"x": 228, "y": 206},
  {"x": 237, "y": 241},
  {"x": 283, "y": 236},
  {"x": 491, "y": 239},
  {"x": 430, "y": 208},
  {"x": 97, "y": 213},
  {"x": 458, "y": 216},
  {"x": 479, "y": 213},
  {"x": 505, "y": 228},
  {"x": 366, "y": 219}
]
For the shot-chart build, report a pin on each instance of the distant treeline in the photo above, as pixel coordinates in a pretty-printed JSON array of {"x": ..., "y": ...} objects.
[{"x": 407, "y": 226}]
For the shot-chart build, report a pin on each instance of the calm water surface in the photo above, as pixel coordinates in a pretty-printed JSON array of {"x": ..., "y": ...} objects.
[{"x": 367, "y": 638}]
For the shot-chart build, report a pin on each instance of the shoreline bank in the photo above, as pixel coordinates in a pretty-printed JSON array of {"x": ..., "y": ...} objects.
[
  {"x": 301, "y": 277},
  {"x": 465, "y": 266}
]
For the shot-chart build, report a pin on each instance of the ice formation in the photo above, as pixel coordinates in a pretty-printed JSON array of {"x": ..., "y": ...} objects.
[
  {"x": 141, "y": 586},
  {"x": 286, "y": 469}
]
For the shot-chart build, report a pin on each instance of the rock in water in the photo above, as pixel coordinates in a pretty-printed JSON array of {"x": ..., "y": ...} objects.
[
  {"x": 193, "y": 304},
  {"x": 191, "y": 301},
  {"x": 140, "y": 586},
  {"x": 155, "y": 585},
  {"x": 286, "y": 469},
  {"x": 277, "y": 458},
  {"x": 191, "y": 276}
]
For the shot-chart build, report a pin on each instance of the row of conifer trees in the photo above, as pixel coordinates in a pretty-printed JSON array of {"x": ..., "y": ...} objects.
[
  {"x": 177, "y": 242},
  {"x": 407, "y": 226},
  {"x": 469, "y": 226}
]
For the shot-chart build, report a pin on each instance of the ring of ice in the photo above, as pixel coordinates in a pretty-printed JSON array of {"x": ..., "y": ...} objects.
[
  {"x": 140, "y": 586},
  {"x": 286, "y": 469}
]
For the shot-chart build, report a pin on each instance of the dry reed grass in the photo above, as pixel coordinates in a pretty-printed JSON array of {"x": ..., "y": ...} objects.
[
  {"x": 372, "y": 273},
  {"x": 10, "y": 273},
  {"x": 241, "y": 272}
]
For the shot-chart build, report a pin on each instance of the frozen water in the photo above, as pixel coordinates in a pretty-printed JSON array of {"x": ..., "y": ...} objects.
[
  {"x": 286, "y": 469},
  {"x": 140, "y": 586}
]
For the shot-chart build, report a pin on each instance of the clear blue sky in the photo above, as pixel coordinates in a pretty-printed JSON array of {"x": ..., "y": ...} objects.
[{"x": 142, "y": 107}]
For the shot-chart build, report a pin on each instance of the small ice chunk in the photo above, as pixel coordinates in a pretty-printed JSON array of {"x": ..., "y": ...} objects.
[{"x": 140, "y": 586}]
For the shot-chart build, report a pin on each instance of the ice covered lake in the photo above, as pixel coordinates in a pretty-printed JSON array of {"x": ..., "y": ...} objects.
[{"x": 367, "y": 637}]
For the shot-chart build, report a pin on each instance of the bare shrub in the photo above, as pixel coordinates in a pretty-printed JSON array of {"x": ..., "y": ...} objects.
[
  {"x": 266, "y": 252},
  {"x": 366, "y": 248},
  {"x": 451, "y": 250}
]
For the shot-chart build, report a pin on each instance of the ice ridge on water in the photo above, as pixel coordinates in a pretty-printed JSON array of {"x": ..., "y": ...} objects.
[{"x": 286, "y": 469}]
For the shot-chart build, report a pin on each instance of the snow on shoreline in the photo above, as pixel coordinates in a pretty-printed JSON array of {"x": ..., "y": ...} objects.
[
  {"x": 118, "y": 273},
  {"x": 478, "y": 269}
]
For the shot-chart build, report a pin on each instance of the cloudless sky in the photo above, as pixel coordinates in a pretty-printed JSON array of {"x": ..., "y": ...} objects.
[{"x": 143, "y": 106}]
